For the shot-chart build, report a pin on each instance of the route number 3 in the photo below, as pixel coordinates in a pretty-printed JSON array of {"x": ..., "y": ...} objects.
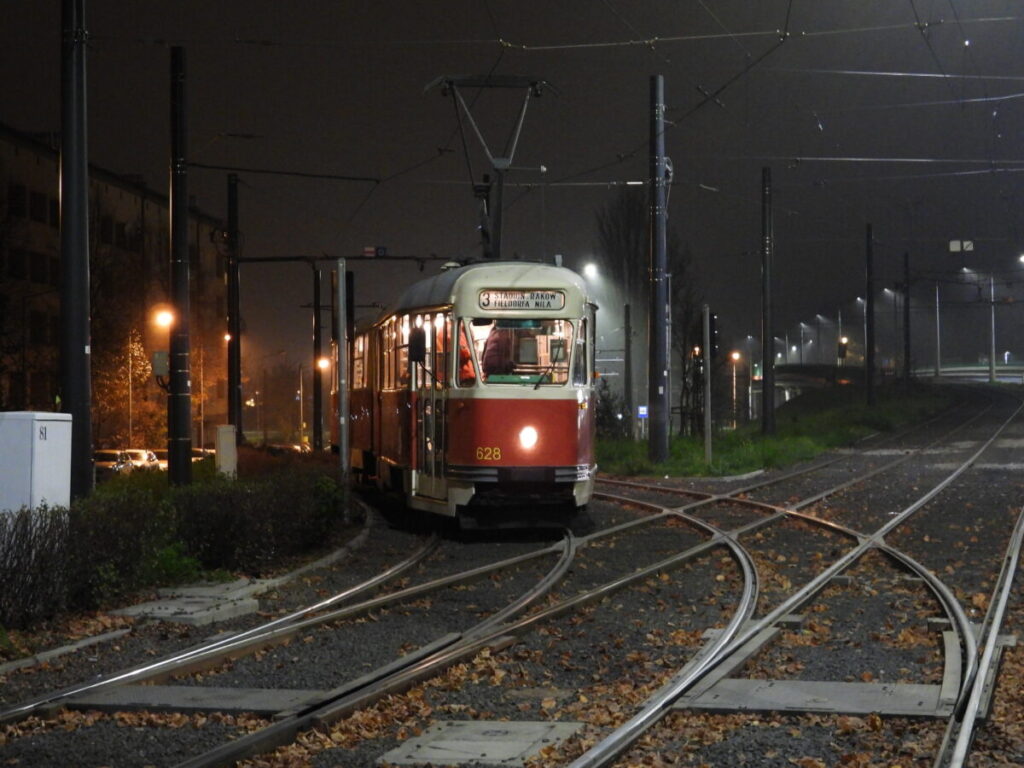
[{"x": 488, "y": 454}]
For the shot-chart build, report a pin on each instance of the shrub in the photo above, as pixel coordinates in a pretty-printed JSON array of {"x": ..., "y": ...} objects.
[{"x": 33, "y": 552}]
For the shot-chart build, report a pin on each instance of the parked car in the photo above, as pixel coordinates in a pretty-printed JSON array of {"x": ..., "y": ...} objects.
[
  {"x": 109, "y": 462},
  {"x": 142, "y": 458},
  {"x": 161, "y": 458}
]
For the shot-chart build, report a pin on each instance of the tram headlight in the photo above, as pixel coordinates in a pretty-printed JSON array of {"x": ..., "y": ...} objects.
[{"x": 528, "y": 437}]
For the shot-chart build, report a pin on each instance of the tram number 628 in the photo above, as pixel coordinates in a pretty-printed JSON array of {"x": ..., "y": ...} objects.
[{"x": 488, "y": 454}]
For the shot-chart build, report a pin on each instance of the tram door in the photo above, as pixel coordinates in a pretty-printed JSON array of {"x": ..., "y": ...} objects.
[{"x": 431, "y": 391}]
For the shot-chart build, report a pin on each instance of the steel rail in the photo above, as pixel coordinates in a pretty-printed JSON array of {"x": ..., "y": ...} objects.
[
  {"x": 221, "y": 644},
  {"x": 471, "y": 642},
  {"x": 448, "y": 648},
  {"x": 965, "y": 728},
  {"x": 280, "y": 629},
  {"x": 609, "y": 748}
]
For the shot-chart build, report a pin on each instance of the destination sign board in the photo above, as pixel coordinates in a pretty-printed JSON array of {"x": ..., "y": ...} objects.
[{"x": 492, "y": 299}]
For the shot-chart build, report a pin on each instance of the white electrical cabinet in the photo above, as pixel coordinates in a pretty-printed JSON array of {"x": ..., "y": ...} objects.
[{"x": 35, "y": 460}]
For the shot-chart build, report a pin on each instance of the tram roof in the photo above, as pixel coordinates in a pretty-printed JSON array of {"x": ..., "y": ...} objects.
[{"x": 442, "y": 289}]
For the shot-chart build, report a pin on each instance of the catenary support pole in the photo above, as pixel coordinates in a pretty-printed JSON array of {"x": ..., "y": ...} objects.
[
  {"x": 75, "y": 353},
  {"x": 869, "y": 316},
  {"x": 938, "y": 335},
  {"x": 992, "y": 328},
  {"x": 318, "y": 399},
  {"x": 234, "y": 321},
  {"x": 179, "y": 399},
  {"x": 627, "y": 360},
  {"x": 657, "y": 381},
  {"x": 906, "y": 318},
  {"x": 767, "y": 331},
  {"x": 706, "y": 324},
  {"x": 342, "y": 383}
]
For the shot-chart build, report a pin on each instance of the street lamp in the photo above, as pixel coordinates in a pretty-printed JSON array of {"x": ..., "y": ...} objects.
[
  {"x": 735, "y": 356},
  {"x": 164, "y": 318}
]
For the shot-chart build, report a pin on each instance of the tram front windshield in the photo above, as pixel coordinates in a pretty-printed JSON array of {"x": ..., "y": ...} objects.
[{"x": 522, "y": 351}]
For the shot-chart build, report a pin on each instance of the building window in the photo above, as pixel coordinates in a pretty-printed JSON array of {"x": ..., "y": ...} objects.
[
  {"x": 38, "y": 267},
  {"x": 106, "y": 230},
  {"x": 17, "y": 264},
  {"x": 38, "y": 207},
  {"x": 17, "y": 200},
  {"x": 38, "y": 328}
]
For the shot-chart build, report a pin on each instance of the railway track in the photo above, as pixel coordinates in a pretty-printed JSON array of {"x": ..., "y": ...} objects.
[{"x": 714, "y": 553}]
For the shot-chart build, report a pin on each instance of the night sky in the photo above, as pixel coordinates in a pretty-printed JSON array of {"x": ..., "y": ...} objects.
[{"x": 905, "y": 114}]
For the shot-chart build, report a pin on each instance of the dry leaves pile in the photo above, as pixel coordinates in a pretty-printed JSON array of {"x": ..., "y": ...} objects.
[{"x": 68, "y": 720}]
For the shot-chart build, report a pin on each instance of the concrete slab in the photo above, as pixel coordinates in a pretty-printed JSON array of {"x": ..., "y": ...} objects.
[
  {"x": 743, "y": 695},
  {"x": 192, "y": 698},
  {"x": 39, "y": 658},
  {"x": 223, "y": 589},
  {"x": 196, "y": 611},
  {"x": 479, "y": 743}
]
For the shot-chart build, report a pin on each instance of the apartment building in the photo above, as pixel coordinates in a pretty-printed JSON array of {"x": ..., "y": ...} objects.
[{"x": 129, "y": 260}]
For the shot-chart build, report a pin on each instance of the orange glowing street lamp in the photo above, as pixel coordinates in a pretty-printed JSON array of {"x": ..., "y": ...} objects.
[{"x": 164, "y": 318}]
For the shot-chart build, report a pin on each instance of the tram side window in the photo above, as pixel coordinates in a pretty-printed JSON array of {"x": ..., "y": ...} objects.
[
  {"x": 359, "y": 363},
  {"x": 466, "y": 362},
  {"x": 579, "y": 358},
  {"x": 389, "y": 354},
  {"x": 442, "y": 346},
  {"x": 402, "y": 356}
]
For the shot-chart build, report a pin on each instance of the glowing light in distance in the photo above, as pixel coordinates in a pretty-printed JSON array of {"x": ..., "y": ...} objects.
[
  {"x": 323, "y": 363},
  {"x": 164, "y": 318},
  {"x": 590, "y": 271}
]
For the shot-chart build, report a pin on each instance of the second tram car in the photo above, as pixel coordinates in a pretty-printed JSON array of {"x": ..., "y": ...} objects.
[{"x": 475, "y": 391}]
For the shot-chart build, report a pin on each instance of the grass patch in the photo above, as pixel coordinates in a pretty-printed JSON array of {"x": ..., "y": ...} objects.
[{"x": 805, "y": 427}]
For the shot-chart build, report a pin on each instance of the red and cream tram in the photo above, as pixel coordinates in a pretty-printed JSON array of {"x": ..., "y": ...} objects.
[{"x": 476, "y": 391}]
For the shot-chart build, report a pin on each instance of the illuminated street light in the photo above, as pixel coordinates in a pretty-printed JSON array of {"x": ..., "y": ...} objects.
[
  {"x": 164, "y": 318},
  {"x": 590, "y": 271},
  {"x": 323, "y": 363}
]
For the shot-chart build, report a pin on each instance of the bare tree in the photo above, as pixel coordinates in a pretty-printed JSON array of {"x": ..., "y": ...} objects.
[
  {"x": 685, "y": 299},
  {"x": 623, "y": 228}
]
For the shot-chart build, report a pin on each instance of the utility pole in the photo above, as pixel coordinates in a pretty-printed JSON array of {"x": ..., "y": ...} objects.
[
  {"x": 906, "y": 317},
  {"x": 992, "y": 328},
  {"x": 767, "y": 331},
  {"x": 706, "y": 322},
  {"x": 179, "y": 399},
  {"x": 938, "y": 336},
  {"x": 342, "y": 382},
  {"x": 75, "y": 336},
  {"x": 627, "y": 358},
  {"x": 657, "y": 381},
  {"x": 318, "y": 400},
  {"x": 234, "y": 322},
  {"x": 869, "y": 316}
]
